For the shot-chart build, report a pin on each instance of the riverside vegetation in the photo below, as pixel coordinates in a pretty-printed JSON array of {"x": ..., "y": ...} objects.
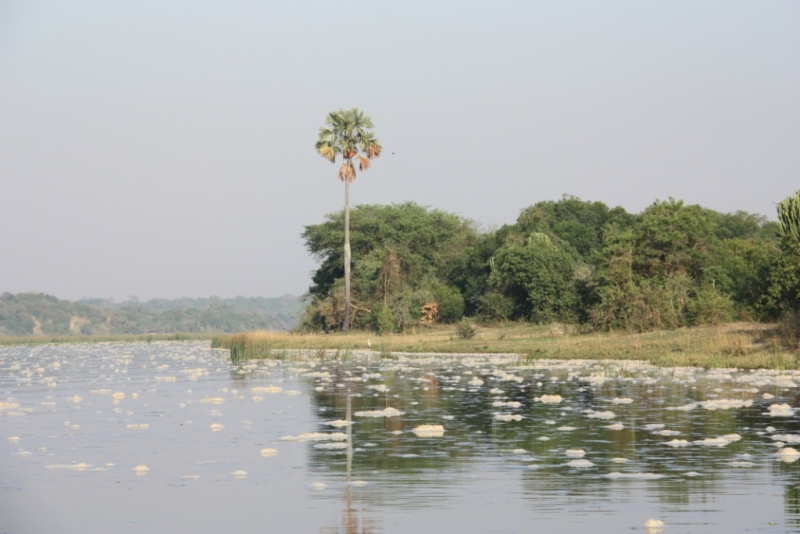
[
  {"x": 676, "y": 284},
  {"x": 626, "y": 285}
]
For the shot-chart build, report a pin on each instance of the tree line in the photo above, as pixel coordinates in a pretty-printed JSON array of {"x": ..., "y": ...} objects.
[
  {"x": 570, "y": 261},
  {"x": 25, "y": 314}
]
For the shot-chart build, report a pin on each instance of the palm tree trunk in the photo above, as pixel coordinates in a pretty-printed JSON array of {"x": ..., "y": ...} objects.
[{"x": 346, "y": 325}]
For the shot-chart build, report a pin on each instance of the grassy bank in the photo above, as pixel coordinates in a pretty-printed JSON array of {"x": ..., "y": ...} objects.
[
  {"x": 741, "y": 345},
  {"x": 43, "y": 340}
]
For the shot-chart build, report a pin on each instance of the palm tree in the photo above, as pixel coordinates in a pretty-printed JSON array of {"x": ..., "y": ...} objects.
[
  {"x": 789, "y": 217},
  {"x": 347, "y": 133}
]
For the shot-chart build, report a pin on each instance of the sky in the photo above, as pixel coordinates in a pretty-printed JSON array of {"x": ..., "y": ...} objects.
[{"x": 165, "y": 149}]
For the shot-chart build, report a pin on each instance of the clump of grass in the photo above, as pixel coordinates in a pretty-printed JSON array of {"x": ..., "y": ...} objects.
[
  {"x": 466, "y": 329},
  {"x": 736, "y": 345}
]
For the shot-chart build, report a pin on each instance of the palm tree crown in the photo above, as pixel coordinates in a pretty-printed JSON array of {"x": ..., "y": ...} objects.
[{"x": 346, "y": 133}]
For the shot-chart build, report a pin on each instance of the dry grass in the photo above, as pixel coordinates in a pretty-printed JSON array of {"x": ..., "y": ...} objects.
[{"x": 741, "y": 345}]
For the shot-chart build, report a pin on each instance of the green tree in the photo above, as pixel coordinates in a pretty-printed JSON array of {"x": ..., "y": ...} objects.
[
  {"x": 538, "y": 276},
  {"x": 406, "y": 255},
  {"x": 348, "y": 135}
]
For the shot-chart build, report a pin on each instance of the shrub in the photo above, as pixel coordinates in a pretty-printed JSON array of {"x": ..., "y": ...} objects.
[{"x": 466, "y": 329}]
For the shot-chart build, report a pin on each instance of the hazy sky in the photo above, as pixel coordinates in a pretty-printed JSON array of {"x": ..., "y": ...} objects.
[{"x": 165, "y": 148}]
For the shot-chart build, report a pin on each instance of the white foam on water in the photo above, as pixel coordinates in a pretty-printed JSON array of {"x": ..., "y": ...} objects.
[
  {"x": 338, "y": 423},
  {"x": 620, "y": 460},
  {"x": 675, "y": 443},
  {"x": 331, "y": 445},
  {"x": 507, "y": 416},
  {"x": 317, "y": 436},
  {"x": 633, "y": 476},
  {"x": 141, "y": 470},
  {"x": 566, "y": 428},
  {"x": 789, "y": 455},
  {"x": 387, "y": 412},
  {"x": 549, "y": 399},
  {"x": 615, "y": 426},
  {"x": 667, "y": 433},
  {"x": 75, "y": 467},
  {"x": 429, "y": 431},
  {"x": 575, "y": 453},
  {"x": 580, "y": 463},
  {"x": 601, "y": 415},
  {"x": 269, "y": 390},
  {"x": 780, "y": 410},
  {"x": 268, "y": 453},
  {"x": 239, "y": 474},
  {"x": 623, "y": 400}
]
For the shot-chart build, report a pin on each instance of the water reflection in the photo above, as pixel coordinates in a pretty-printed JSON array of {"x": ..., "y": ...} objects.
[{"x": 625, "y": 440}]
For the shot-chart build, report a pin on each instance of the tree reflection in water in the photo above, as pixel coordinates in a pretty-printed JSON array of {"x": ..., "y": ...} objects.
[{"x": 350, "y": 520}]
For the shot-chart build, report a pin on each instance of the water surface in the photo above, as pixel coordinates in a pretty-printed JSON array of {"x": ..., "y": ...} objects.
[{"x": 172, "y": 436}]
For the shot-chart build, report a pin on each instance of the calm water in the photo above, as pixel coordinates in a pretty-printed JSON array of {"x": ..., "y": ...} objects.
[{"x": 172, "y": 437}]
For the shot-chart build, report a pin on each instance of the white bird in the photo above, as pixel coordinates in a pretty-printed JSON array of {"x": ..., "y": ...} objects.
[{"x": 369, "y": 345}]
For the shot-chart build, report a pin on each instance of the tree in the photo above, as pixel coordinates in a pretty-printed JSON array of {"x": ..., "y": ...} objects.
[
  {"x": 406, "y": 256},
  {"x": 347, "y": 134}
]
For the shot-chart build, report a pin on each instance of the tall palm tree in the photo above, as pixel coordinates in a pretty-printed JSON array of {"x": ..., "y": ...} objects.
[{"x": 346, "y": 132}]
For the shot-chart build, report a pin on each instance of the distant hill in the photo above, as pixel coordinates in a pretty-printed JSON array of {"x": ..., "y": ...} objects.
[{"x": 39, "y": 314}]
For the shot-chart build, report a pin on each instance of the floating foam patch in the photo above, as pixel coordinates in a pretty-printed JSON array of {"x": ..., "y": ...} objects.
[
  {"x": 507, "y": 416},
  {"x": 75, "y": 467},
  {"x": 141, "y": 470},
  {"x": 634, "y": 476},
  {"x": 580, "y": 463},
  {"x": 601, "y": 415},
  {"x": 781, "y": 410},
  {"x": 317, "y": 436},
  {"x": 675, "y": 443},
  {"x": 331, "y": 445},
  {"x": 429, "y": 431},
  {"x": 789, "y": 455},
  {"x": 387, "y": 412},
  {"x": 269, "y": 390},
  {"x": 549, "y": 399}
]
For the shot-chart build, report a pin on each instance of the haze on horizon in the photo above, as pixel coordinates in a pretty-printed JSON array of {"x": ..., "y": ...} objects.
[{"x": 165, "y": 149}]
